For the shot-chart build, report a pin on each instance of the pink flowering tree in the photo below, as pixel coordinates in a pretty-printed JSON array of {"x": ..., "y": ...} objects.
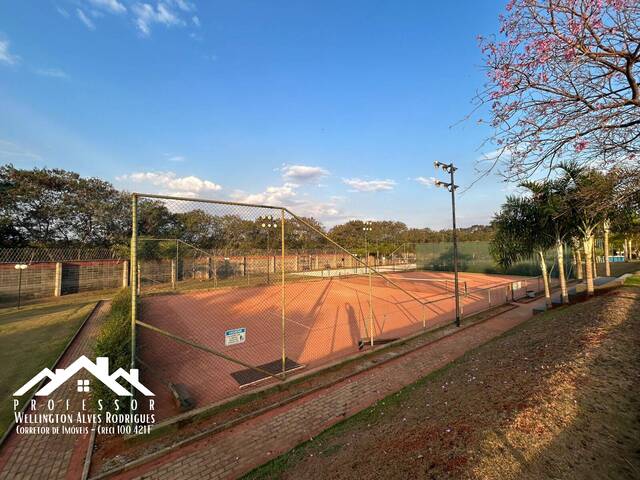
[{"x": 563, "y": 84}]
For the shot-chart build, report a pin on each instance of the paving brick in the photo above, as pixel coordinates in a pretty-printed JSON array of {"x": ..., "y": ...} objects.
[
  {"x": 263, "y": 438},
  {"x": 48, "y": 456}
]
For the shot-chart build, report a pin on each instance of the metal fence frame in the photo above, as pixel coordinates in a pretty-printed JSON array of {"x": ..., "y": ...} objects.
[
  {"x": 506, "y": 288},
  {"x": 135, "y": 266}
]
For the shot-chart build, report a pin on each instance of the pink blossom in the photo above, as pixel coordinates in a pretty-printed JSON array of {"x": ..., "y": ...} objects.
[{"x": 580, "y": 145}]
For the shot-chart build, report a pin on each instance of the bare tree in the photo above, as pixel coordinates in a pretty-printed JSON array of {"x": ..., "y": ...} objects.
[{"x": 563, "y": 84}]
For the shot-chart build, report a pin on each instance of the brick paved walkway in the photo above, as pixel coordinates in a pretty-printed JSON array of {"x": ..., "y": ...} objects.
[
  {"x": 236, "y": 451},
  {"x": 54, "y": 456}
]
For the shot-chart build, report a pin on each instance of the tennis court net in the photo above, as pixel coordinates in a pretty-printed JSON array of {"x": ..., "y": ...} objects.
[{"x": 417, "y": 285}]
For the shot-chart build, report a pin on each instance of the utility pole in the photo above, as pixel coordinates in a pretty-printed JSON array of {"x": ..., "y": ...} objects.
[{"x": 451, "y": 186}]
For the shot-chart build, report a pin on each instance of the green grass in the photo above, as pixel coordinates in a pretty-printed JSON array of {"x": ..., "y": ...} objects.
[
  {"x": 113, "y": 341},
  {"x": 31, "y": 339},
  {"x": 634, "y": 281}
]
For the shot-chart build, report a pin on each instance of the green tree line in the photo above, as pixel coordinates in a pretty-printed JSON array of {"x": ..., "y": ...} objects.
[
  {"x": 571, "y": 208},
  {"x": 55, "y": 207}
]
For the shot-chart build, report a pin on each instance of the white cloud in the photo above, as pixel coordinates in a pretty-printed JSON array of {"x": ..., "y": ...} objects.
[
  {"x": 360, "y": 185},
  {"x": 6, "y": 56},
  {"x": 176, "y": 158},
  {"x": 186, "y": 186},
  {"x": 303, "y": 173},
  {"x": 86, "y": 20},
  {"x": 52, "y": 72},
  {"x": 272, "y": 195},
  {"x": 146, "y": 15},
  {"x": 183, "y": 5},
  {"x": 286, "y": 195},
  {"x": 112, "y": 6},
  {"x": 501, "y": 153},
  {"x": 426, "y": 181}
]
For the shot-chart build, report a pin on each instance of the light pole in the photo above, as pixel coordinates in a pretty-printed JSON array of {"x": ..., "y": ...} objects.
[
  {"x": 268, "y": 222},
  {"x": 367, "y": 228},
  {"x": 451, "y": 186},
  {"x": 20, "y": 267}
]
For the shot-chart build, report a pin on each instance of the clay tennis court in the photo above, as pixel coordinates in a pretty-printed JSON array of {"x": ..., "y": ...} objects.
[{"x": 325, "y": 320}]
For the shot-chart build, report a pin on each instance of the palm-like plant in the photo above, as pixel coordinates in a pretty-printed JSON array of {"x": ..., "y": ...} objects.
[
  {"x": 589, "y": 197},
  {"x": 550, "y": 198},
  {"x": 520, "y": 234}
]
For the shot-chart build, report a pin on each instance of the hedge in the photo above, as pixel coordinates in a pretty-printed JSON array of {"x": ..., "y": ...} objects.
[{"x": 114, "y": 342}]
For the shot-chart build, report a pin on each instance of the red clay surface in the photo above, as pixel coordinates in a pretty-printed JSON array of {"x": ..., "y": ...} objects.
[{"x": 325, "y": 320}]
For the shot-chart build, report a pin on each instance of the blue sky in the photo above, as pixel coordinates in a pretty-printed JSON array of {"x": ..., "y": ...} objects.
[{"x": 336, "y": 109}]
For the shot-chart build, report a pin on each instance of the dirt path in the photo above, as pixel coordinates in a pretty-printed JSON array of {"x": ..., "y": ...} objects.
[{"x": 554, "y": 398}]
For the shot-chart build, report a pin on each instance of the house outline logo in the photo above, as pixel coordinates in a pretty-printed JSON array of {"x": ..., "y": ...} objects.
[{"x": 99, "y": 369}]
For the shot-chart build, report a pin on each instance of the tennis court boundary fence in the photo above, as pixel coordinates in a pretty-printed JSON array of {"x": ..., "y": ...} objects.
[{"x": 277, "y": 229}]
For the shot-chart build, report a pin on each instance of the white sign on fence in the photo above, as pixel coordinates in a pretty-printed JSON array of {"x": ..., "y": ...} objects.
[
  {"x": 516, "y": 285},
  {"x": 235, "y": 336}
]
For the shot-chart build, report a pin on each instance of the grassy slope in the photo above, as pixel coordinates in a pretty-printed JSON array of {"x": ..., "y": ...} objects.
[
  {"x": 31, "y": 339},
  {"x": 633, "y": 281},
  {"x": 556, "y": 397}
]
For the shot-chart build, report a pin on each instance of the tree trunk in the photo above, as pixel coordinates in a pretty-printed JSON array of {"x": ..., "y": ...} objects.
[
  {"x": 563, "y": 280},
  {"x": 588, "y": 252},
  {"x": 607, "y": 267},
  {"x": 545, "y": 279},
  {"x": 579, "y": 274}
]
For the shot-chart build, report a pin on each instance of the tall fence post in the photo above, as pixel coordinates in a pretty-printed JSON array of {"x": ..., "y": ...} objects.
[
  {"x": 284, "y": 357},
  {"x": 134, "y": 276},
  {"x": 177, "y": 261},
  {"x": 125, "y": 274},
  {"x": 174, "y": 273},
  {"x": 58, "y": 281}
]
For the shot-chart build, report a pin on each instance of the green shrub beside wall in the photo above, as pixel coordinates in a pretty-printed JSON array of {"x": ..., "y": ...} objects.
[{"x": 114, "y": 341}]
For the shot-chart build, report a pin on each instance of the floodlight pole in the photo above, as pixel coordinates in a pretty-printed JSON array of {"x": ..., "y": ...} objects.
[
  {"x": 134, "y": 277},
  {"x": 268, "y": 222},
  {"x": 367, "y": 228},
  {"x": 20, "y": 267},
  {"x": 450, "y": 169}
]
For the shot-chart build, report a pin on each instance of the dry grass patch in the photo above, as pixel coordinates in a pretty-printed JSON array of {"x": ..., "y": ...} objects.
[{"x": 557, "y": 397}]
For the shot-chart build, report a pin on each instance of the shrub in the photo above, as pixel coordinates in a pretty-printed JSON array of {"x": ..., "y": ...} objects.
[
  {"x": 225, "y": 270},
  {"x": 114, "y": 342}
]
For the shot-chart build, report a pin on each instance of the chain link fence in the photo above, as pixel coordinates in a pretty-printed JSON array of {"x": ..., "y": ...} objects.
[
  {"x": 250, "y": 294},
  {"x": 29, "y": 273}
]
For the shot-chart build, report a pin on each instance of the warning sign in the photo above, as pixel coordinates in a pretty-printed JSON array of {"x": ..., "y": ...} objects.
[{"x": 235, "y": 336}]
